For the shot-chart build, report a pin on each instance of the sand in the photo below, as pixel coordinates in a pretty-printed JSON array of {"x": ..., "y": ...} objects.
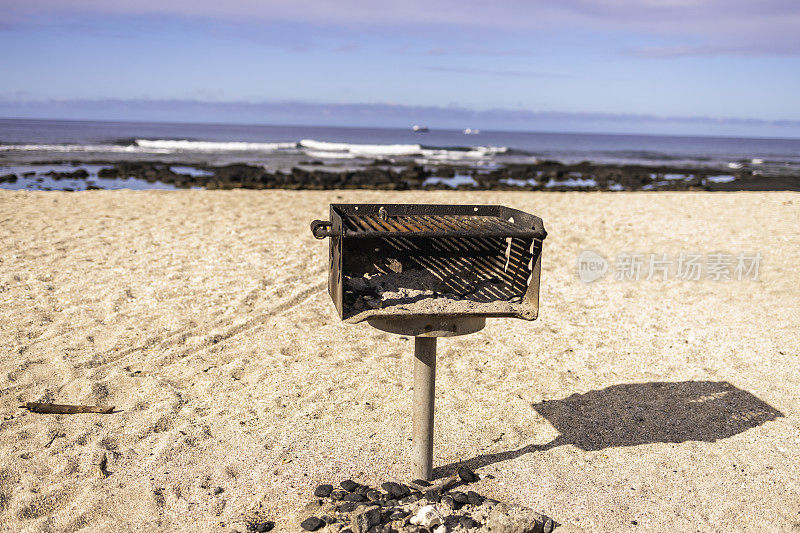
[{"x": 203, "y": 316}]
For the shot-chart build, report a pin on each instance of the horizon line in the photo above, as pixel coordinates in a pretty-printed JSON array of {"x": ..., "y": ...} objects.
[{"x": 394, "y": 128}]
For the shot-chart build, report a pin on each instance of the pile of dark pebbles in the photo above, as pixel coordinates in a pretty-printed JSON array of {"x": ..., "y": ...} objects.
[{"x": 353, "y": 507}]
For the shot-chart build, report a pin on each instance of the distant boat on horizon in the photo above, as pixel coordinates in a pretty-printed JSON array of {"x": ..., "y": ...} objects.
[
  {"x": 416, "y": 128},
  {"x": 471, "y": 131}
]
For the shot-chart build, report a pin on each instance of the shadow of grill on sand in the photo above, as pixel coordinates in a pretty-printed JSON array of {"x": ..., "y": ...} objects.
[{"x": 641, "y": 413}]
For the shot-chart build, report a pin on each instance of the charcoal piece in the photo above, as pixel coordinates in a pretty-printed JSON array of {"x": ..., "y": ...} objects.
[
  {"x": 474, "y": 498},
  {"x": 467, "y": 522},
  {"x": 467, "y": 475},
  {"x": 459, "y": 497},
  {"x": 312, "y": 523},
  {"x": 323, "y": 491},
  {"x": 348, "y": 507},
  {"x": 349, "y": 485}
]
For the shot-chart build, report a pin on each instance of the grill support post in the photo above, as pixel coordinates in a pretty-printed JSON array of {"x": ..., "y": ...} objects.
[
  {"x": 425, "y": 331},
  {"x": 424, "y": 387}
]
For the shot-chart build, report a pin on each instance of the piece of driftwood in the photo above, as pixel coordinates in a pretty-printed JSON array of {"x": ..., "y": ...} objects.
[
  {"x": 441, "y": 486},
  {"x": 54, "y": 408}
]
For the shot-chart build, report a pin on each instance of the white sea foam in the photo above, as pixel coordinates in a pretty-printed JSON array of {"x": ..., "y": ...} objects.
[
  {"x": 519, "y": 183},
  {"x": 572, "y": 182},
  {"x": 319, "y": 154},
  {"x": 331, "y": 150},
  {"x": 75, "y": 148},
  {"x": 726, "y": 178},
  {"x": 455, "y": 181},
  {"x": 210, "y": 146},
  {"x": 361, "y": 150},
  {"x": 476, "y": 152}
]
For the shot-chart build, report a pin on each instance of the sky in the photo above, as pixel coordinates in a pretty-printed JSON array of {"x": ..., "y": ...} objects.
[{"x": 707, "y": 67}]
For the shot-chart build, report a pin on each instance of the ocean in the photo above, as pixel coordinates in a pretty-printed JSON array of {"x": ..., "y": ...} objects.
[{"x": 31, "y": 147}]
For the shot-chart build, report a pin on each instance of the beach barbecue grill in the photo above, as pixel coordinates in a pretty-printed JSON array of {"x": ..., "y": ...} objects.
[{"x": 431, "y": 271}]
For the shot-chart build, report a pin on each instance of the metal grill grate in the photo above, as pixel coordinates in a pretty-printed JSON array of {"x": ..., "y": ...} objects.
[{"x": 433, "y": 226}]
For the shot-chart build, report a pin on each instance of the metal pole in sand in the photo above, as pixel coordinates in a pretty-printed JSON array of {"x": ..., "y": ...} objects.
[{"x": 424, "y": 385}]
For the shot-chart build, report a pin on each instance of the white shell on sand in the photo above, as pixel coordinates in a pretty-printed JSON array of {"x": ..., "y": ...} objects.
[{"x": 428, "y": 516}]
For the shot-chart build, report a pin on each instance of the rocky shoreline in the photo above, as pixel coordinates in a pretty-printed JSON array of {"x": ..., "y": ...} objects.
[{"x": 383, "y": 175}]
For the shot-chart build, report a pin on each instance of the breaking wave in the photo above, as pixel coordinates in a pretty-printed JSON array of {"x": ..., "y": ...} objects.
[
  {"x": 181, "y": 145},
  {"x": 308, "y": 147}
]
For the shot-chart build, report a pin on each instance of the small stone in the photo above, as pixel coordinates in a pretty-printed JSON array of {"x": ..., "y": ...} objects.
[
  {"x": 410, "y": 499},
  {"x": 467, "y": 522},
  {"x": 399, "y": 514},
  {"x": 264, "y": 527},
  {"x": 354, "y": 497},
  {"x": 312, "y": 523},
  {"x": 323, "y": 491},
  {"x": 466, "y": 474},
  {"x": 218, "y": 490},
  {"x": 395, "y": 490},
  {"x": 433, "y": 496},
  {"x": 392, "y": 503},
  {"x": 363, "y": 490},
  {"x": 363, "y": 519},
  {"x": 349, "y": 485},
  {"x": 459, "y": 497},
  {"x": 474, "y": 498},
  {"x": 338, "y": 494},
  {"x": 549, "y": 526},
  {"x": 348, "y": 507},
  {"x": 448, "y": 501},
  {"x": 374, "y": 495},
  {"x": 421, "y": 483}
]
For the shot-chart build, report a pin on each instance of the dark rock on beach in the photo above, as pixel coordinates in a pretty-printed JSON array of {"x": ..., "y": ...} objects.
[
  {"x": 459, "y": 510},
  {"x": 349, "y": 485},
  {"x": 474, "y": 498},
  {"x": 323, "y": 491},
  {"x": 312, "y": 523},
  {"x": 467, "y": 475},
  {"x": 540, "y": 176},
  {"x": 364, "y": 518}
]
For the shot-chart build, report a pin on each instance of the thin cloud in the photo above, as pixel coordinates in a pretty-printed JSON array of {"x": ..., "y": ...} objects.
[
  {"x": 672, "y": 52},
  {"x": 493, "y": 72},
  {"x": 349, "y": 47},
  {"x": 764, "y": 26}
]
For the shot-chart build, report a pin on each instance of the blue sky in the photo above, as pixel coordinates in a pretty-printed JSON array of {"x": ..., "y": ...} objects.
[{"x": 728, "y": 67}]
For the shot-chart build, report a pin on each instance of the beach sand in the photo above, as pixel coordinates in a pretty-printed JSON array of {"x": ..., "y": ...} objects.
[{"x": 203, "y": 316}]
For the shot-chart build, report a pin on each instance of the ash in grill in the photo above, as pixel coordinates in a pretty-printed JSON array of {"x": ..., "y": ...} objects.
[{"x": 423, "y": 260}]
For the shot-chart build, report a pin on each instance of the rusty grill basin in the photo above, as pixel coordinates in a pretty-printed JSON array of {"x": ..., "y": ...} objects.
[{"x": 421, "y": 260}]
